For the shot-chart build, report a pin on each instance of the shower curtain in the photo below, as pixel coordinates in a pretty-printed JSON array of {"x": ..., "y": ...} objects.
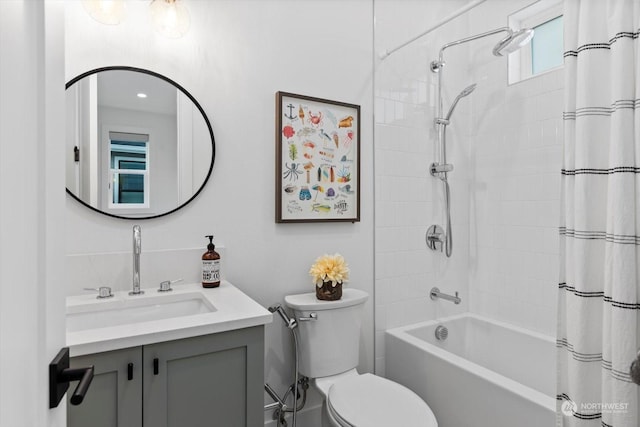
[{"x": 599, "y": 295}]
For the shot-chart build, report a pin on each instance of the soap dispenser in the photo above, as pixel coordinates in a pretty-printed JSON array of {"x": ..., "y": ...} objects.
[{"x": 210, "y": 266}]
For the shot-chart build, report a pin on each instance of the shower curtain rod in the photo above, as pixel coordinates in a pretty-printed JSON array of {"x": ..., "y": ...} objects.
[{"x": 454, "y": 15}]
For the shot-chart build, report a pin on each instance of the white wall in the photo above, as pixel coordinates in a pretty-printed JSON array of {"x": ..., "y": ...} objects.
[
  {"x": 31, "y": 207},
  {"x": 504, "y": 142},
  {"x": 235, "y": 57}
]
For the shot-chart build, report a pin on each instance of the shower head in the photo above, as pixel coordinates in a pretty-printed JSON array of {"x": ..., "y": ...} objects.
[
  {"x": 466, "y": 91},
  {"x": 513, "y": 41}
]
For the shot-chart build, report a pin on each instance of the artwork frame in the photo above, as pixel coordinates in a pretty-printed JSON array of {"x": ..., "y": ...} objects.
[{"x": 317, "y": 160}]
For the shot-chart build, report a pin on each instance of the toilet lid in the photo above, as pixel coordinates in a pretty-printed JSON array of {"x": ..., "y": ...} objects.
[{"x": 370, "y": 401}]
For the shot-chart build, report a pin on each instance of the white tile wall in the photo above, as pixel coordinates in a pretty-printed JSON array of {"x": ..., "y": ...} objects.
[
  {"x": 517, "y": 162},
  {"x": 505, "y": 143},
  {"x": 408, "y": 199}
]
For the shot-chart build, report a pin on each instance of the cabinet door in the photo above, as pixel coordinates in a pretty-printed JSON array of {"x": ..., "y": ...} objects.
[
  {"x": 113, "y": 398},
  {"x": 211, "y": 380}
]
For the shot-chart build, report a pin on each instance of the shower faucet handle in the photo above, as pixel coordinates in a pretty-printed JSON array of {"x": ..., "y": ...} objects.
[{"x": 435, "y": 238}]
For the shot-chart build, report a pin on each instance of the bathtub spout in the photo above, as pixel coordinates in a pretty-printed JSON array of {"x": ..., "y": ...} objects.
[{"x": 435, "y": 294}]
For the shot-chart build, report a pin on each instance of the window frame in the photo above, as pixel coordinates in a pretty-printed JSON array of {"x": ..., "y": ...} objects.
[{"x": 536, "y": 14}]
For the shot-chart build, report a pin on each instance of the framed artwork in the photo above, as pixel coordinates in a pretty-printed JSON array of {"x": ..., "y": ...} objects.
[{"x": 317, "y": 159}]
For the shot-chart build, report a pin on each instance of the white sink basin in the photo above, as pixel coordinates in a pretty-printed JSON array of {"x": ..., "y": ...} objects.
[
  {"x": 124, "y": 309},
  {"x": 124, "y": 321}
]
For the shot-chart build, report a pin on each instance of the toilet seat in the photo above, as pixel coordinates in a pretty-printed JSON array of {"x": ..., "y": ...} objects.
[{"x": 370, "y": 401}]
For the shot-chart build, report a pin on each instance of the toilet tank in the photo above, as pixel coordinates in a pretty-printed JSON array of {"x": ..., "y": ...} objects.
[{"x": 330, "y": 344}]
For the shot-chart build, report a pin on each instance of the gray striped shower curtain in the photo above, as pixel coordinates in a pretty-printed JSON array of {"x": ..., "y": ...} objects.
[{"x": 599, "y": 295}]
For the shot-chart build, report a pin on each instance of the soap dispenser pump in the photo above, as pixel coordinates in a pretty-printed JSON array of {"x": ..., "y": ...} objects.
[{"x": 210, "y": 266}]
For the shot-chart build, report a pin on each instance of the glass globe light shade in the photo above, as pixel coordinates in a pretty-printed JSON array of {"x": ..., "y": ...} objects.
[
  {"x": 110, "y": 12},
  {"x": 170, "y": 18}
]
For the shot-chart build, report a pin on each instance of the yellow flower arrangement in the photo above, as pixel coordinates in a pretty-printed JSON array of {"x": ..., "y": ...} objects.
[{"x": 329, "y": 268}]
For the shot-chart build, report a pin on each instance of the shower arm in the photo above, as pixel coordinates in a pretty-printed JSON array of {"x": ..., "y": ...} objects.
[
  {"x": 439, "y": 63},
  {"x": 435, "y": 65}
]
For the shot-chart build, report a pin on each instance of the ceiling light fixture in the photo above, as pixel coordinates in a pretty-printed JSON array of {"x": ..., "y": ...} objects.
[
  {"x": 141, "y": 95},
  {"x": 110, "y": 12},
  {"x": 170, "y": 18}
]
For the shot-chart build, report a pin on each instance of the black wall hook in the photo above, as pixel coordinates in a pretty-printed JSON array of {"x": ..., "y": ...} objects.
[{"x": 60, "y": 375}]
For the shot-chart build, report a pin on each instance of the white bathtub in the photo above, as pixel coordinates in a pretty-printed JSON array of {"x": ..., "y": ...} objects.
[{"x": 485, "y": 374}]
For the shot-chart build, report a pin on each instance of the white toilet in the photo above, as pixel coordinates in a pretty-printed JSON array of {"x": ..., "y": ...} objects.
[{"x": 329, "y": 333}]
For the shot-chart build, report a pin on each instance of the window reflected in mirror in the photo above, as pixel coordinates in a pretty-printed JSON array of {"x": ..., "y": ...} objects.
[{"x": 129, "y": 173}]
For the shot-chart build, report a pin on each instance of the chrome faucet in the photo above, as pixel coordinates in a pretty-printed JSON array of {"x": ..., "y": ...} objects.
[
  {"x": 137, "y": 248},
  {"x": 435, "y": 294}
]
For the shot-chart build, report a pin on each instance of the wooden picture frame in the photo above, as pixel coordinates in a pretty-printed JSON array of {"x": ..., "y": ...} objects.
[{"x": 317, "y": 159}]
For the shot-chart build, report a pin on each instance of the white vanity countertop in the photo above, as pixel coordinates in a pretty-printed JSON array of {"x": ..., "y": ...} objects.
[{"x": 233, "y": 310}]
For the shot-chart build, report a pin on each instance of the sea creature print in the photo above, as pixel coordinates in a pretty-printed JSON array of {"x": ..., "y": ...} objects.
[
  {"x": 346, "y": 159},
  {"x": 348, "y": 139},
  {"x": 288, "y": 131},
  {"x": 301, "y": 114},
  {"x": 290, "y": 189},
  {"x": 306, "y": 131},
  {"x": 346, "y": 189},
  {"x": 347, "y": 122},
  {"x": 336, "y": 139},
  {"x": 344, "y": 175},
  {"x": 292, "y": 172},
  {"x": 328, "y": 114},
  {"x": 317, "y": 207},
  {"x": 315, "y": 120},
  {"x": 293, "y": 151},
  {"x": 325, "y": 136}
]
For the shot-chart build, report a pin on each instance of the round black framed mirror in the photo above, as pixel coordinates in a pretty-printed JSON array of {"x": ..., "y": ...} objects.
[{"x": 139, "y": 146}]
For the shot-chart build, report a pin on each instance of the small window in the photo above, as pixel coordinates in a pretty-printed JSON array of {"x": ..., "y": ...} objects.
[{"x": 544, "y": 53}]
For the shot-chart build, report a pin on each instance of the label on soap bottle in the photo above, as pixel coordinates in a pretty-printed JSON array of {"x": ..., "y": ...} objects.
[{"x": 210, "y": 271}]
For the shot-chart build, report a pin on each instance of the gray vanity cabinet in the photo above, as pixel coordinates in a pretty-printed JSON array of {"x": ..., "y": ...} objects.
[
  {"x": 114, "y": 395},
  {"x": 209, "y": 380}
]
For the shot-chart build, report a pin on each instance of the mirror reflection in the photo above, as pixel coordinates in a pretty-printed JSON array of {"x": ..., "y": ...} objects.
[{"x": 138, "y": 145}]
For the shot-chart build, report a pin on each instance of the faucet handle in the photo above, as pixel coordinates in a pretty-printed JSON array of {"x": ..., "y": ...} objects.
[
  {"x": 166, "y": 285},
  {"x": 103, "y": 291}
]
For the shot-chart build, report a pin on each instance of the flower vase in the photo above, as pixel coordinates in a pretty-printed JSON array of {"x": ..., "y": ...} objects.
[{"x": 328, "y": 292}]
